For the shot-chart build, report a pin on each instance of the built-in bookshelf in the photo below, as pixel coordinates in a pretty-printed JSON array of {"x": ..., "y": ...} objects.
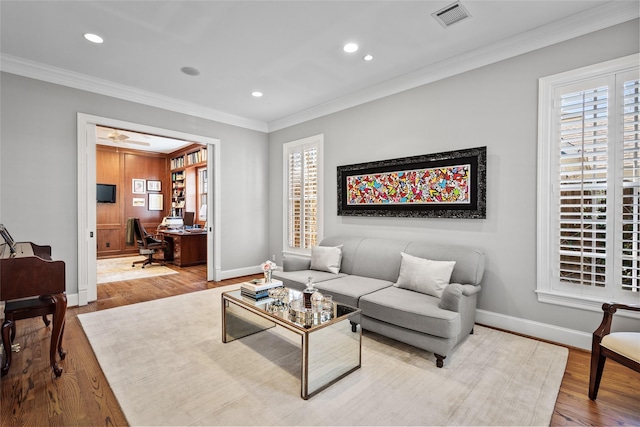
[
  {"x": 177, "y": 162},
  {"x": 183, "y": 165},
  {"x": 195, "y": 157},
  {"x": 191, "y": 157},
  {"x": 178, "y": 184}
]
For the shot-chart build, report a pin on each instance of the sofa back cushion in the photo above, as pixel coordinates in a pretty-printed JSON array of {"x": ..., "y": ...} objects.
[
  {"x": 375, "y": 258},
  {"x": 380, "y": 258}
]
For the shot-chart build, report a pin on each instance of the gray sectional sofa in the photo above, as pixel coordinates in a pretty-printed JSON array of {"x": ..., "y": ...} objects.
[{"x": 401, "y": 287}]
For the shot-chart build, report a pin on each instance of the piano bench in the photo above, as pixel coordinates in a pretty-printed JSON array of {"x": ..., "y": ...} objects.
[{"x": 25, "y": 309}]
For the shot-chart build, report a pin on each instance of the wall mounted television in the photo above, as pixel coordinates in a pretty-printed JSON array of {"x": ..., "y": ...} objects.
[{"x": 106, "y": 193}]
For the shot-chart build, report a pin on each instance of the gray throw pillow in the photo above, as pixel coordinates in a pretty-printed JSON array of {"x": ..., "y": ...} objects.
[{"x": 326, "y": 258}]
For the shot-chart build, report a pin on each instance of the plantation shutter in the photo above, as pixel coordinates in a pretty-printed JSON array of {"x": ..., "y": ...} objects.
[
  {"x": 302, "y": 230},
  {"x": 583, "y": 202},
  {"x": 295, "y": 195},
  {"x": 310, "y": 197},
  {"x": 589, "y": 185},
  {"x": 631, "y": 187}
]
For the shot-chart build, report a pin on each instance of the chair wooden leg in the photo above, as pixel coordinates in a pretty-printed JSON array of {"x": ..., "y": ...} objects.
[
  {"x": 440, "y": 360},
  {"x": 58, "y": 328},
  {"x": 7, "y": 326},
  {"x": 597, "y": 366},
  {"x": 13, "y": 330}
]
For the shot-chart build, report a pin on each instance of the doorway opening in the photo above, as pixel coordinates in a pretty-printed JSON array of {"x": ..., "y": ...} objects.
[{"x": 96, "y": 131}]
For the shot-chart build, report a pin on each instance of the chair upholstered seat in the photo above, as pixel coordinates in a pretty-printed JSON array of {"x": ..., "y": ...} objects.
[
  {"x": 622, "y": 347},
  {"x": 624, "y": 343}
]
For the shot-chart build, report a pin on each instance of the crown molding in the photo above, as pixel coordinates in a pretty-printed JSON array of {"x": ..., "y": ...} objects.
[
  {"x": 592, "y": 20},
  {"x": 595, "y": 19},
  {"x": 39, "y": 71}
]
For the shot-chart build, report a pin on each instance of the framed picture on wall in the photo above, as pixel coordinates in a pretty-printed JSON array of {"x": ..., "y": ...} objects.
[
  {"x": 137, "y": 186},
  {"x": 155, "y": 202},
  {"x": 138, "y": 201},
  {"x": 439, "y": 185},
  {"x": 153, "y": 185}
]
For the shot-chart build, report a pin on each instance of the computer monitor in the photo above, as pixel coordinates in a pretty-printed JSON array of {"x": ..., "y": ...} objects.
[{"x": 188, "y": 219}]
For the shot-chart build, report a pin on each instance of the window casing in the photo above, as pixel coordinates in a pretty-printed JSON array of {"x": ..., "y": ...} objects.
[
  {"x": 589, "y": 185},
  {"x": 302, "y": 194}
]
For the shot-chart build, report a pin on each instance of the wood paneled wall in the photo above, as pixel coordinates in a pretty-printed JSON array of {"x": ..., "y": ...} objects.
[{"x": 120, "y": 166}]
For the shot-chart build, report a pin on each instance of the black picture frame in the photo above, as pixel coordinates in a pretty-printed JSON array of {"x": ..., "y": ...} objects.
[{"x": 468, "y": 166}]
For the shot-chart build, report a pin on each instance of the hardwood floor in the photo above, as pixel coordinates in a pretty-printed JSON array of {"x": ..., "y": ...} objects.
[{"x": 31, "y": 395}]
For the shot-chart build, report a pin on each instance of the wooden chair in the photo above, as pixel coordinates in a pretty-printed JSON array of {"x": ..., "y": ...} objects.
[
  {"x": 147, "y": 244},
  {"x": 623, "y": 347}
]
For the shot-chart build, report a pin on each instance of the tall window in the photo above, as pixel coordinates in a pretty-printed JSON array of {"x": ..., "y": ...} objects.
[
  {"x": 589, "y": 185},
  {"x": 303, "y": 195},
  {"x": 203, "y": 190}
]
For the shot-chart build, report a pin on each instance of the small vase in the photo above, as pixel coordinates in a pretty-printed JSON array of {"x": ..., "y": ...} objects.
[{"x": 267, "y": 276}]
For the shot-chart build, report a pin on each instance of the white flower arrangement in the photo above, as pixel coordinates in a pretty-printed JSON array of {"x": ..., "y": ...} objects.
[{"x": 269, "y": 266}]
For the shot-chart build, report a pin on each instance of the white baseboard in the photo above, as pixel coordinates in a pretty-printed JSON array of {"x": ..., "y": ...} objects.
[
  {"x": 531, "y": 328},
  {"x": 72, "y": 300},
  {"x": 239, "y": 272}
]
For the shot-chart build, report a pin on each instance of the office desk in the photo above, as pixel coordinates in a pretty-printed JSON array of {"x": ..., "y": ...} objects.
[{"x": 186, "y": 248}]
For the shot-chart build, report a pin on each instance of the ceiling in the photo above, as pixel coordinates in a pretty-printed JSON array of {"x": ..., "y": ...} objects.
[
  {"x": 291, "y": 51},
  {"x": 122, "y": 138}
]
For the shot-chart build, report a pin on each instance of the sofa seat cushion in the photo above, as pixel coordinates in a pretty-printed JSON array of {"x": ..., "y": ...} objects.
[
  {"x": 349, "y": 289},
  {"x": 297, "y": 279},
  {"x": 411, "y": 310}
]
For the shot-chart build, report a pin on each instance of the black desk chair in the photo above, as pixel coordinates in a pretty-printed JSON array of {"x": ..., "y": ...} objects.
[{"x": 148, "y": 244}]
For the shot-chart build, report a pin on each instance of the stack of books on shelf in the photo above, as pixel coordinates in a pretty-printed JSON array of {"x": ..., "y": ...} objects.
[
  {"x": 178, "y": 162},
  {"x": 197, "y": 156},
  {"x": 258, "y": 290}
]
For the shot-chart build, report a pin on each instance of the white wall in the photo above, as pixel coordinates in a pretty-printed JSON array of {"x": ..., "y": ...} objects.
[
  {"x": 494, "y": 106},
  {"x": 38, "y": 171}
]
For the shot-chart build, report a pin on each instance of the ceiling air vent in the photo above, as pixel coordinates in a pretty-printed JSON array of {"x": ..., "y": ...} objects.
[{"x": 451, "y": 14}]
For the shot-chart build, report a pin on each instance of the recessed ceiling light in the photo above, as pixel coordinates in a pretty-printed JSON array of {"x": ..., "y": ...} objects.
[
  {"x": 350, "y": 47},
  {"x": 368, "y": 57},
  {"x": 190, "y": 71},
  {"x": 93, "y": 38},
  {"x": 256, "y": 94}
]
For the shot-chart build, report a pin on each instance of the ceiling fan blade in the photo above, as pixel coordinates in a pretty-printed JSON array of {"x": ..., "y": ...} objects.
[
  {"x": 146, "y": 144},
  {"x": 124, "y": 141},
  {"x": 117, "y": 136}
]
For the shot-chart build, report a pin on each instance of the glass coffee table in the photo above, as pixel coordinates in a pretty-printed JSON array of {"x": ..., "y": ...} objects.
[{"x": 330, "y": 349}]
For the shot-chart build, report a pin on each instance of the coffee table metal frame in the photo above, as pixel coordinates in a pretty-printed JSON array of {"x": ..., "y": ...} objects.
[{"x": 330, "y": 349}]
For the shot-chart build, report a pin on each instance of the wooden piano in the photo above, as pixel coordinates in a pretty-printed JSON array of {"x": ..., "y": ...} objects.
[{"x": 32, "y": 285}]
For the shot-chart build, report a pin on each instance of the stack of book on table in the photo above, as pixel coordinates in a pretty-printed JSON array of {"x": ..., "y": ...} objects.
[{"x": 258, "y": 290}]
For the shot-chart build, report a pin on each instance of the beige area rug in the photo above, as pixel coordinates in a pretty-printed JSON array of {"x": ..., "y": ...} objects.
[
  {"x": 167, "y": 365},
  {"x": 118, "y": 269}
]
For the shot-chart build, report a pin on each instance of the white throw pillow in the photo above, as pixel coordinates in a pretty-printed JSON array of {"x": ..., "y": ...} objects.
[
  {"x": 326, "y": 258},
  {"x": 424, "y": 275}
]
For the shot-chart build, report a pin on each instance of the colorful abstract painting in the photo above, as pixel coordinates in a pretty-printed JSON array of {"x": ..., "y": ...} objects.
[{"x": 450, "y": 184}]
